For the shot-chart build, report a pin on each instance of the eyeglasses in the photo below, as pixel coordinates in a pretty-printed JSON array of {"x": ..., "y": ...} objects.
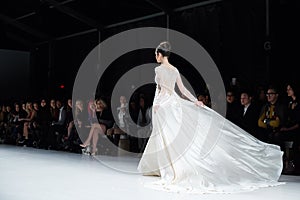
[{"x": 270, "y": 94}]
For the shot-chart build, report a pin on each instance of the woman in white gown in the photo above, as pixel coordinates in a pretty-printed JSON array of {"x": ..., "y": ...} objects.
[{"x": 192, "y": 148}]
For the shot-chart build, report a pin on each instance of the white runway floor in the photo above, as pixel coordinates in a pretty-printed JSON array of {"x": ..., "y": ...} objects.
[{"x": 36, "y": 174}]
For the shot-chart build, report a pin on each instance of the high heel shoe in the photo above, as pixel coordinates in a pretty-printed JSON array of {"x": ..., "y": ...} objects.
[
  {"x": 94, "y": 153},
  {"x": 86, "y": 150},
  {"x": 84, "y": 145}
]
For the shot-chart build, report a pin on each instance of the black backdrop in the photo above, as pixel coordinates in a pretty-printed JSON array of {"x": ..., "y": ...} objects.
[{"x": 233, "y": 32}]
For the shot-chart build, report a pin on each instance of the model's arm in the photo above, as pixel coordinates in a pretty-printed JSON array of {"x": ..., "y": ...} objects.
[
  {"x": 187, "y": 93},
  {"x": 183, "y": 89},
  {"x": 157, "y": 96}
]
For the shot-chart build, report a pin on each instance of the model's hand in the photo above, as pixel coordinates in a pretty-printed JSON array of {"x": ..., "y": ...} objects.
[
  {"x": 199, "y": 103},
  {"x": 155, "y": 108}
]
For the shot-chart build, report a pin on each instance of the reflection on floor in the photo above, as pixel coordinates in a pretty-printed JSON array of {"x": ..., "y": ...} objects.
[{"x": 35, "y": 174}]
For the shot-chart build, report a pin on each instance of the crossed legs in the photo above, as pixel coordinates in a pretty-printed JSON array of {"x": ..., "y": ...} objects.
[{"x": 95, "y": 130}]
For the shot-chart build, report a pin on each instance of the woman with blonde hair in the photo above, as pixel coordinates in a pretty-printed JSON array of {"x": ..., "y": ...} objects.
[
  {"x": 98, "y": 125},
  {"x": 28, "y": 121}
]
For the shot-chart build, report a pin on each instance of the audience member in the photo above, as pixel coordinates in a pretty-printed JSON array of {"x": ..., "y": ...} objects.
[
  {"x": 249, "y": 113},
  {"x": 273, "y": 116},
  {"x": 290, "y": 131},
  {"x": 58, "y": 128},
  {"x": 233, "y": 106}
]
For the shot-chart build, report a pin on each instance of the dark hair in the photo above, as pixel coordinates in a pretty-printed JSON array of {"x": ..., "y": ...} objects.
[
  {"x": 164, "y": 48},
  {"x": 274, "y": 88},
  {"x": 163, "y": 53},
  {"x": 295, "y": 88},
  {"x": 248, "y": 91}
]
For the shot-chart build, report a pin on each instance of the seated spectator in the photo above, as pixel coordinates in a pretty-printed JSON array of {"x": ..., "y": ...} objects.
[
  {"x": 43, "y": 121},
  {"x": 122, "y": 125},
  {"x": 248, "y": 114},
  {"x": 144, "y": 119},
  {"x": 17, "y": 125},
  {"x": 290, "y": 131},
  {"x": 35, "y": 128},
  {"x": 2, "y": 121},
  {"x": 81, "y": 122},
  {"x": 28, "y": 122},
  {"x": 99, "y": 126},
  {"x": 70, "y": 119},
  {"x": 54, "y": 110},
  {"x": 70, "y": 138},
  {"x": 58, "y": 128},
  {"x": 233, "y": 106},
  {"x": 260, "y": 98},
  {"x": 272, "y": 117},
  {"x": 9, "y": 116},
  {"x": 204, "y": 99}
]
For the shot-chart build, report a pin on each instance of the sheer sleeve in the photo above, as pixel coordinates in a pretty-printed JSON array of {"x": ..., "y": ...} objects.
[
  {"x": 157, "y": 96},
  {"x": 183, "y": 90}
]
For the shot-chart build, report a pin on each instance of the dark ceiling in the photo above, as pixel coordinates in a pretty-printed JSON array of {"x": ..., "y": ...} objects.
[
  {"x": 62, "y": 32},
  {"x": 33, "y": 22}
]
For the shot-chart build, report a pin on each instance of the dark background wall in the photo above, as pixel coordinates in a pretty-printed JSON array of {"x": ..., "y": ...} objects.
[
  {"x": 233, "y": 32},
  {"x": 14, "y": 73}
]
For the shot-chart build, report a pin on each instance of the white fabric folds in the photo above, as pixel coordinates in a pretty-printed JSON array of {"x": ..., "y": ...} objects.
[{"x": 196, "y": 150}]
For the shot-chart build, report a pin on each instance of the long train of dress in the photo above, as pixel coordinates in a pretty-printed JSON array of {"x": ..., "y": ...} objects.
[{"x": 195, "y": 149}]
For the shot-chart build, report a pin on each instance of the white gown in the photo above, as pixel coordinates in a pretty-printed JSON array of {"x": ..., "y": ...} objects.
[{"x": 196, "y": 150}]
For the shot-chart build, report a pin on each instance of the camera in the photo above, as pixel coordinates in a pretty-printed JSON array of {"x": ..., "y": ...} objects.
[{"x": 267, "y": 121}]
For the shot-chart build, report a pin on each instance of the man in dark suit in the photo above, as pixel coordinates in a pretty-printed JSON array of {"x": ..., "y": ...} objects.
[
  {"x": 248, "y": 114},
  {"x": 233, "y": 106},
  {"x": 58, "y": 128}
]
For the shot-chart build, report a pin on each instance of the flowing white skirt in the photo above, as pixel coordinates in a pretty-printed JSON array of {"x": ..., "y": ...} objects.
[{"x": 196, "y": 150}]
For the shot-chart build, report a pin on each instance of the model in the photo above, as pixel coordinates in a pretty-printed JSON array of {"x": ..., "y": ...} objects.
[{"x": 194, "y": 149}]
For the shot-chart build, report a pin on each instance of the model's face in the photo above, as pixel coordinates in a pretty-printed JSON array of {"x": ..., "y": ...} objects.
[{"x": 158, "y": 57}]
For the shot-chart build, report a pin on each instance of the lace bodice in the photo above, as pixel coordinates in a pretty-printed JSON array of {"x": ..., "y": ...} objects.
[{"x": 165, "y": 78}]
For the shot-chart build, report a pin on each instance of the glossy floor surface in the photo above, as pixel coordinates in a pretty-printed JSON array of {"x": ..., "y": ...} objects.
[{"x": 36, "y": 174}]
